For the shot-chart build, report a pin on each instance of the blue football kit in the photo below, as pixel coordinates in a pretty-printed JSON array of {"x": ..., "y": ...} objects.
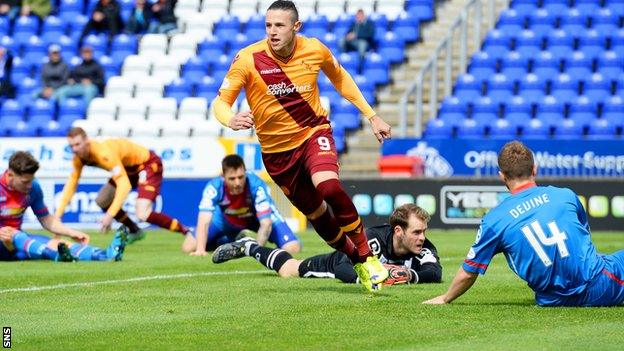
[
  {"x": 544, "y": 234},
  {"x": 233, "y": 213}
]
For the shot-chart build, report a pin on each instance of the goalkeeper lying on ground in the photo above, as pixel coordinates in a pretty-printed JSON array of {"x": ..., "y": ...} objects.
[{"x": 401, "y": 246}]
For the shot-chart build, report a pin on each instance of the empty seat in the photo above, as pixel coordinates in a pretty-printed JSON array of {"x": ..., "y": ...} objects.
[
  {"x": 193, "y": 108},
  {"x": 149, "y": 88},
  {"x": 182, "y": 47},
  {"x": 132, "y": 110},
  {"x": 165, "y": 68},
  {"x": 243, "y": 9},
  {"x": 163, "y": 109},
  {"x": 153, "y": 45},
  {"x": 119, "y": 87},
  {"x": 136, "y": 67},
  {"x": 331, "y": 9},
  {"x": 102, "y": 107},
  {"x": 391, "y": 8},
  {"x": 115, "y": 129}
]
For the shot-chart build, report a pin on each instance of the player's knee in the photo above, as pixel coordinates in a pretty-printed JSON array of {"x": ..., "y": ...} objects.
[
  {"x": 290, "y": 269},
  {"x": 142, "y": 214},
  {"x": 292, "y": 247},
  {"x": 330, "y": 188}
]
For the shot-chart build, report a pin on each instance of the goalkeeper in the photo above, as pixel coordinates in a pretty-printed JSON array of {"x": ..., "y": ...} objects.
[{"x": 401, "y": 246}]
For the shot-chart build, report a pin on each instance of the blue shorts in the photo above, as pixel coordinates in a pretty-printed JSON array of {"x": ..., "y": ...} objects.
[
  {"x": 221, "y": 232},
  {"x": 607, "y": 289}
]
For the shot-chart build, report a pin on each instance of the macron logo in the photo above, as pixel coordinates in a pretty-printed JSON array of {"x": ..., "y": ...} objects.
[{"x": 271, "y": 71}]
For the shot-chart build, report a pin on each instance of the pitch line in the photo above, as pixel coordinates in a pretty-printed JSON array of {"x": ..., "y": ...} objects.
[{"x": 129, "y": 280}]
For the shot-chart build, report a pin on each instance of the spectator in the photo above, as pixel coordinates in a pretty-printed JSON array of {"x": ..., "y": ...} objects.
[
  {"x": 166, "y": 22},
  {"x": 9, "y": 8},
  {"x": 86, "y": 79},
  {"x": 54, "y": 73},
  {"x": 106, "y": 17},
  {"x": 6, "y": 63},
  {"x": 140, "y": 18},
  {"x": 41, "y": 8},
  {"x": 359, "y": 36}
]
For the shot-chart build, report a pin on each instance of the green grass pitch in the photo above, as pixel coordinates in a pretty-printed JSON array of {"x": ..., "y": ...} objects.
[{"x": 161, "y": 299}]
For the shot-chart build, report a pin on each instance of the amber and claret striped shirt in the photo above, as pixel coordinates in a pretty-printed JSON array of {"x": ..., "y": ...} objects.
[
  {"x": 283, "y": 94},
  {"x": 118, "y": 156}
]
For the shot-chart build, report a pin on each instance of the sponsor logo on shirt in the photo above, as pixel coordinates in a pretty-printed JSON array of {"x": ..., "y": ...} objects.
[
  {"x": 271, "y": 71},
  {"x": 281, "y": 89}
]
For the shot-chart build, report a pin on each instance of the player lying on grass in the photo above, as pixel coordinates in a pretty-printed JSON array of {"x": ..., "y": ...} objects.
[
  {"x": 235, "y": 201},
  {"x": 18, "y": 191},
  {"x": 544, "y": 234},
  {"x": 401, "y": 246}
]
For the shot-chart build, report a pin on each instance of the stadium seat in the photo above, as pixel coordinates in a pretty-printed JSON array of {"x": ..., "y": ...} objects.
[
  {"x": 500, "y": 88},
  {"x": 227, "y": 28},
  {"x": 26, "y": 25},
  {"x": 545, "y": 65},
  {"x": 119, "y": 87},
  {"x": 182, "y": 47},
  {"x": 541, "y": 21},
  {"x": 482, "y": 65},
  {"x": 605, "y": 21},
  {"x": 199, "y": 25},
  {"x": 531, "y": 83},
  {"x": 407, "y": 26},
  {"x": 510, "y": 22},
  {"x": 573, "y": 21},
  {"x": 392, "y": 47},
  {"x": 376, "y": 68},
  {"x": 467, "y": 87},
  {"x": 51, "y": 24},
  {"x": 165, "y": 68},
  {"x": 162, "y": 110},
  {"x": 601, "y": 128},
  {"x": 149, "y": 88},
  {"x": 609, "y": 64},
  {"x": 193, "y": 108},
  {"x": 331, "y": 9},
  {"x": 214, "y": 9},
  {"x": 565, "y": 87},
  {"x": 597, "y": 87},
  {"x": 145, "y": 130},
  {"x": 502, "y": 129},
  {"x": 535, "y": 129},
  {"x": 244, "y": 9},
  {"x": 100, "y": 106},
  {"x": 391, "y": 8},
  {"x": 528, "y": 43},
  {"x": 74, "y": 107},
  {"x": 438, "y": 128},
  {"x": 210, "y": 127},
  {"x": 568, "y": 129},
  {"x": 421, "y": 9},
  {"x": 136, "y": 67},
  {"x": 469, "y": 128},
  {"x": 178, "y": 89},
  {"x": 116, "y": 129},
  {"x": 152, "y": 45},
  {"x": 12, "y": 108}
]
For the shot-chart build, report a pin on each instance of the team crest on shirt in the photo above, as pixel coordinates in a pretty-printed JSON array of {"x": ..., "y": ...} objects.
[{"x": 306, "y": 65}]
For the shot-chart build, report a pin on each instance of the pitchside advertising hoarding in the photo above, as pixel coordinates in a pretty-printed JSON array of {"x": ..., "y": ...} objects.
[
  {"x": 188, "y": 164},
  {"x": 461, "y": 203},
  {"x": 469, "y": 157}
]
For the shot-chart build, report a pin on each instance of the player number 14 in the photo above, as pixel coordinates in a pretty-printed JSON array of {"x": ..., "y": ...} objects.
[{"x": 536, "y": 237}]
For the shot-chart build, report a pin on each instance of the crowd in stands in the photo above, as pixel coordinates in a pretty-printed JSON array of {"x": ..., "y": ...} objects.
[{"x": 58, "y": 55}]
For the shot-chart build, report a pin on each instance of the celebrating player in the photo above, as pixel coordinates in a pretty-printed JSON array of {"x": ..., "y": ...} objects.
[
  {"x": 130, "y": 165},
  {"x": 544, "y": 234},
  {"x": 401, "y": 246},
  {"x": 279, "y": 76},
  {"x": 18, "y": 191},
  {"x": 236, "y": 201}
]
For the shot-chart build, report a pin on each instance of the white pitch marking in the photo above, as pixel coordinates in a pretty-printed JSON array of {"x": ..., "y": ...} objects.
[{"x": 130, "y": 280}]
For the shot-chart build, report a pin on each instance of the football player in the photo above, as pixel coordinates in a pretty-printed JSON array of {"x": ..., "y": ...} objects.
[
  {"x": 401, "y": 246},
  {"x": 236, "y": 201},
  {"x": 544, "y": 234},
  {"x": 19, "y": 190}
]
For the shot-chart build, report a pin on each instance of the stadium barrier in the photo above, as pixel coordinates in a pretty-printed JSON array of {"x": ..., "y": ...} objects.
[
  {"x": 478, "y": 157},
  {"x": 461, "y": 202}
]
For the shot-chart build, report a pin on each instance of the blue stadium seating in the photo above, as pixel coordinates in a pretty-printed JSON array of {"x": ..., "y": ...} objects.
[{"x": 438, "y": 128}]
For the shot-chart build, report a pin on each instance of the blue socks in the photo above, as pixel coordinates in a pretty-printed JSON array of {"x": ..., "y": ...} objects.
[
  {"x": 29, "y": 248},
  {"x": 88, "y": 253}
]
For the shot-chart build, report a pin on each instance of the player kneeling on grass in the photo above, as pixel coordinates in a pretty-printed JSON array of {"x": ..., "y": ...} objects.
[
  {"x": 18, "y": 191},
  {"x": 401, "y": 246},
  {"x": 238, "y": 200}
]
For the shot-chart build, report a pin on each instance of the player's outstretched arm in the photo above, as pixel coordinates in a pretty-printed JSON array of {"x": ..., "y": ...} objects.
[
  {"x": 264, "y": 231},
  {"x": 201, "y": 233},
  {"x": 461, "y": 283},
  {"x": 55, "y": 226}
]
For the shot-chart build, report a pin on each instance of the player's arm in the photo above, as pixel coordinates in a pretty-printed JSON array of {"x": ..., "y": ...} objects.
[
  {"x": 201, "y": 232},
  {"x": 344, "y": 84},
  {"x": 461, "y": 283},
  {"x": 426, "y": 267},
  {"x": 262, "y": 205},
  {"x": 233, "y": 82},
  {"x": 266, "y": 224},
  {"x": 70, "y": 187},
  {"x": 54, "y": 225}
]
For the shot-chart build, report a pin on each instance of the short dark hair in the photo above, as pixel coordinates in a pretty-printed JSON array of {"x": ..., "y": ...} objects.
[
  {"x": 75, "y": 131},
  {"x": 22, "y": 162},
  {"x": 286, "y": 6},
  {"x": 401, "y": 215},
  {"x": 515, "y": 160},
  {"x": 232, "y": 162}
]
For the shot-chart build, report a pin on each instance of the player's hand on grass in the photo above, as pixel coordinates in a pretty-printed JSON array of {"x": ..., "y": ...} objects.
[
  {"x": 439, "y": 300},
  {"x": 198, "y": 253},
  {"x": 242, "y": 120},
  {"x": 81, "y": 237},
  {"x": 380, "y": 128},
  {"x": 106, "y": 222}
]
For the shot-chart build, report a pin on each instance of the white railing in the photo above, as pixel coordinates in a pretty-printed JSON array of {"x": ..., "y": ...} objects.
[{"x": 458, "y": 32}]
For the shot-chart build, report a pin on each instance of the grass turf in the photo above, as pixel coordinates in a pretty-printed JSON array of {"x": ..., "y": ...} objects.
[{"x": 183, "y": 307}]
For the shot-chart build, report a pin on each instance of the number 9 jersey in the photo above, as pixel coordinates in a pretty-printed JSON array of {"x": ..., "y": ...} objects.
[{"x": 544, "y": 235}]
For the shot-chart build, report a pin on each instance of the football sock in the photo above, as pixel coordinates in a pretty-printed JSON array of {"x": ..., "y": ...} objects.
[
  {"x": 328, "y": 229},
  {"x": 346, "y": 215},
  {"x": 271, "y": 258},
  {"x": 29, "y": 248},
  {"x": 88, "y": 253},
  {"x": 122, "y": 217},
  {"x": 164, "y": 221}
]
